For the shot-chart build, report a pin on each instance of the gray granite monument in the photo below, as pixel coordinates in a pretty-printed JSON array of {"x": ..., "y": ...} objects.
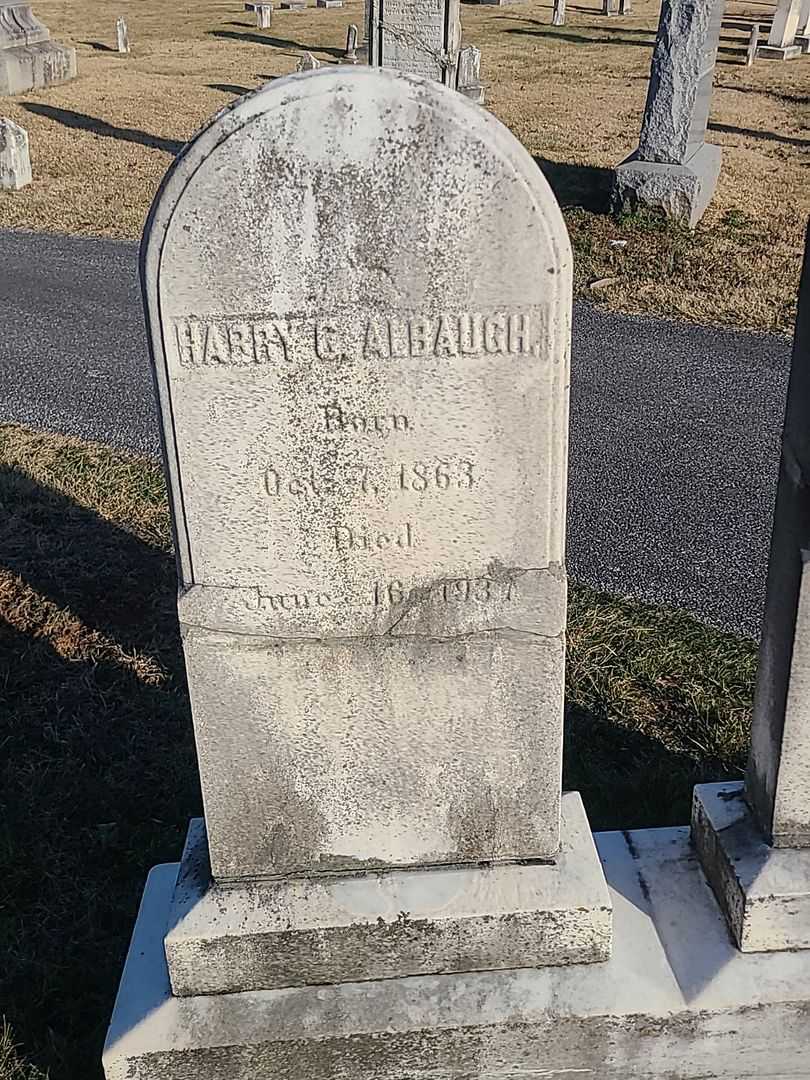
[
  {"x": 15, "y": 161},
  {"x": 754, "y": 838},
  {"x": 364, "y": 413},
  {"x": 674, "y": 170},
  {"x": 419, "y": 37},
  {"x": 29, "y": 60}
]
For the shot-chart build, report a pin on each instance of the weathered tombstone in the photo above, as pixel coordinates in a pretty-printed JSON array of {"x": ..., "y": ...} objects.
[
  {"x": 264, "y": 16},
  {"x": 469, "y": 74},
  {"x": 753, "y": 839},
  {"x": 753, "y": 41},
  {"x": 329, "y": 3},
  {"x": 625, "y": 7},
  {"x": 350, "y": 56},
  {"x": 293, "y": 5},
  {"x": 419, "y": 37},
  {"x": 376, "y": 665},
  {"x": 307, "y": 62},
  {"x": 781, "y": 44},
  {"x": 674, "y": 169},
  {"x": 376, "y": 662},
  {"x": 121, "y": 34},
  {"x": 29, "y": 60},
  {"x": 610, "y": 7},
  {"x": 15, "y": 160},
  {"x": 558, "y": 16}
]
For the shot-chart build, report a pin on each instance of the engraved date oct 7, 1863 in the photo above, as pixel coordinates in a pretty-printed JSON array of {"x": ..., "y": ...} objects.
[{"x": 418, "y": 476}]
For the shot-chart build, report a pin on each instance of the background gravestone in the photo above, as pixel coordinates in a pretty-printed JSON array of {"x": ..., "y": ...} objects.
[
  {"x": 29, "y": 60},
  {"x": 15, "y": 160},
  {"x": 674, "y": 169},
  {"x": 753, "y": 839},
  {"x": 469, "y": 74},
  {"x": 782, "y": 44},
  {"x": 419, "y": 37}
]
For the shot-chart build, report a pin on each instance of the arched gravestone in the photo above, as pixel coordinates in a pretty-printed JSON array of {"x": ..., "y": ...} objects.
[{"x": 359, "y": 289}]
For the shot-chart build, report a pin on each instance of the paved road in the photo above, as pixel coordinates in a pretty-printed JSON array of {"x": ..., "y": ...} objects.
[{"x": 674, "y": 427}]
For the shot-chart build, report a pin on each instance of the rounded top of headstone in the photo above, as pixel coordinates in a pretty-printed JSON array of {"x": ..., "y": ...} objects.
[
  {"x": 358, "y": 288},
  {"x": 359, "y": 110}
]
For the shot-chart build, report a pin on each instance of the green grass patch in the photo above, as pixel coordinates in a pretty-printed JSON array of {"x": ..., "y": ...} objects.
[{"x": 98, "y": 774}]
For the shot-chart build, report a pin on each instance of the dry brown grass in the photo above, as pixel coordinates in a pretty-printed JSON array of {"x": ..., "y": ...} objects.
[{"x": 572, "y": 94}]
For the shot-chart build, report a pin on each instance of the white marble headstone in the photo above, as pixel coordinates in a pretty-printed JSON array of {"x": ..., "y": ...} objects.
[{"x": 359, "y": 293}]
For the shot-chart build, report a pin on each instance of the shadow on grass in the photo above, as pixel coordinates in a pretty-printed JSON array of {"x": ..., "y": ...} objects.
[
  {"x": 99, "y": 46},
  {"x": 788, "y": 99},
  {"x": 278, "y": 43},
  {"x": 83, "y": 122},
  {"x": 229, "y": 88},
  {"x": 553, "y": 32},
  {"x": 752, "y": 133},
  {"x": 616, "y": 35},
  {"x": 97, "y": 775},
  {"x": 585, "y": 186}
]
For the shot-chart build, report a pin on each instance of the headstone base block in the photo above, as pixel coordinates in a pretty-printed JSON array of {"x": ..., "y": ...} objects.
[
  {"x": 335, "y": 928},
  {"x": 764, "y": 891},
  {"x": 779, "y": 52},
  {"x": 681, "y": 192},
  {"x": 33, "y": 67},
  {"x": 803, "y": 41},
  {"x": 676, "y": 999},
  {"x": 474, "y": 93},
  {"x": 329, "y": 3}
]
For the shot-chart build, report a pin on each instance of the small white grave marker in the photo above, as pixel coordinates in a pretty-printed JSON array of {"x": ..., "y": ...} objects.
[
  {"x": 122, "y": 34},
  {"x": 15, "y": 161}
]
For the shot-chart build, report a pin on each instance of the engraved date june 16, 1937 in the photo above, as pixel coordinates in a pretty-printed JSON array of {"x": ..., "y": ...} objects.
[{"x": 391, "y": 594}]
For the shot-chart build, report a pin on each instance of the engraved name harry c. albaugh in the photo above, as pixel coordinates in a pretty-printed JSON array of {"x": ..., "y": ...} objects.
[{"x": 246, "y": 340}]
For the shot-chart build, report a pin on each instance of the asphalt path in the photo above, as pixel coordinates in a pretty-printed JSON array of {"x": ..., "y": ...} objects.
[{"x": 674, "y": 427}]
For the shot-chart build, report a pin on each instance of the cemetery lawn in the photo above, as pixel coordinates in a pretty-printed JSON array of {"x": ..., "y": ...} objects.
[
  {"x": 573, "y": 95},
  {"x": 98, "y": 777}
]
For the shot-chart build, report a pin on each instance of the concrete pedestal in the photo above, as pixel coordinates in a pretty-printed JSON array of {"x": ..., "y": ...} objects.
[
  {"x": 336, "y": 928},
  {"x": 764, "y": 891},
  {"x": 33, "y": 67},
  {"x": 474, "y": 93},
  {"x": 676, "y": 1000},
  {"x": 681, "y": 192},
  {"x": 779, "y": 52}
]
